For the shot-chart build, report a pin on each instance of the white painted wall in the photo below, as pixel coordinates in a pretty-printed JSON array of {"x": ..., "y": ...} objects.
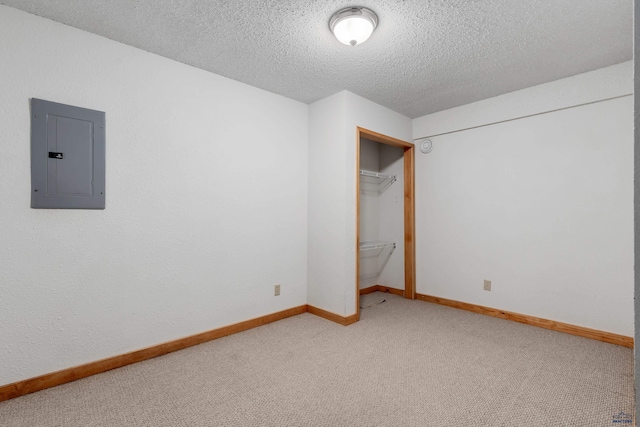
[
  {"x": 596, "y": 85},
  {"x": 542, "y": 206},
  {"x": 369, "y": 212},
  {"x": 206, "y": 203},
  {"x": 332, "y": 193},
  {"x": 369, "y": 155},
  {"x": 391, "y": 226},
  {"x": 326, "y": 273}
]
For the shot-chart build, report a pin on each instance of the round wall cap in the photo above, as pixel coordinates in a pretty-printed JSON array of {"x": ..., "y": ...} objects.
[{"x": 426, "y": 146}]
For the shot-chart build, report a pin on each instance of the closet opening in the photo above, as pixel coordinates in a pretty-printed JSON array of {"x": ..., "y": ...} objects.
[{"x": 385, "y": 210}]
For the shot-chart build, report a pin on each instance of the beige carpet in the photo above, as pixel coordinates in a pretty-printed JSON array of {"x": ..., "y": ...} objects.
[{"x": 406, "y": 363}]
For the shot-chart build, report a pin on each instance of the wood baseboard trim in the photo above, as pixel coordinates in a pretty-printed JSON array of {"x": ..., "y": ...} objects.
[
  {"x": 580, "y": 331},
  {"x": 369, "y": 290},
  {"x": 342, "y": 320},
  {"x": 42, "y": 382},
  {"x": 380, "y": 288},
  {"x": 393, "y": 291}
]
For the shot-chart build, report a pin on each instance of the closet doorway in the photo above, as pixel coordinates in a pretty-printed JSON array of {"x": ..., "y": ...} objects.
[{"x": 385, "y": 213}]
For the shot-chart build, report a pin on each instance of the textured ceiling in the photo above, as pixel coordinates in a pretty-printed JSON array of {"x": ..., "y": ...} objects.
[{"x": 425, "y": 55}]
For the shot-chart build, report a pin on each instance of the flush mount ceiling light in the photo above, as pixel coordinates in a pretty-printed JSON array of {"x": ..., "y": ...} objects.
[{"x": 353, "y": 25}]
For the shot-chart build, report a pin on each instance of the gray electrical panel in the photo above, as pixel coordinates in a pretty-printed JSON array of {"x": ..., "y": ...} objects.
[{"x": 67, "y": 156}]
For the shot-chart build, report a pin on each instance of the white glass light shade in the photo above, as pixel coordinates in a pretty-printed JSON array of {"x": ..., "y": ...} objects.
[
  {"x": 353, "y": 25},
  {"x": 353, "y": 30}
]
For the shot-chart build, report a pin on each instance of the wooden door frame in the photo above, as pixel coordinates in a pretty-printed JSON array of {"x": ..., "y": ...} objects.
[{"x": 409, "y": 210}]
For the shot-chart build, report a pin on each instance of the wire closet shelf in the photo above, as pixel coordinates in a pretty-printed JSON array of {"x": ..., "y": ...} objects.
[
  {"x": 382, "y": 180},
  {"x": 370, "y": 246}
]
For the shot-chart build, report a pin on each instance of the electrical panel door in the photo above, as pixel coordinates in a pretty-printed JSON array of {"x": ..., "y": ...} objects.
[{"x": 67, "y": 156}]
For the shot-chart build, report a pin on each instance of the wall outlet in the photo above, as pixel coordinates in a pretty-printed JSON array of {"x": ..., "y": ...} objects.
[
  {"x": 276, "y": 290},
  {"x": 487, "y": 285}
]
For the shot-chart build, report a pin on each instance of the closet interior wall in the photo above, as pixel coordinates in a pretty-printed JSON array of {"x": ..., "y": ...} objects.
[{"x": 382, "y": 216}]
